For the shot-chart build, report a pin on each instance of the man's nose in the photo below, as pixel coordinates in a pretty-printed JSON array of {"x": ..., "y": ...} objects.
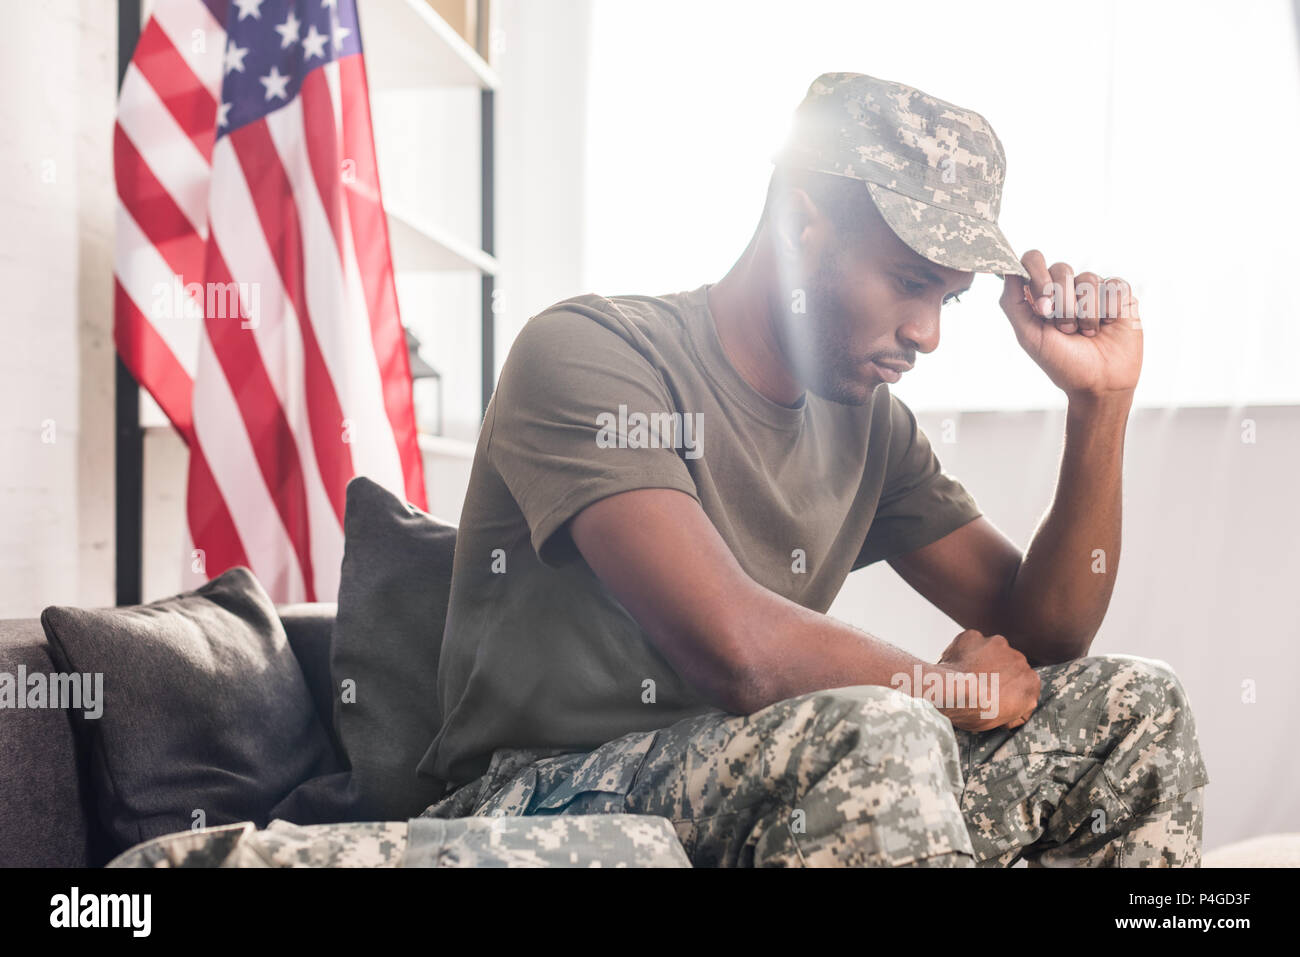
[{"x": 920, "y": 331}]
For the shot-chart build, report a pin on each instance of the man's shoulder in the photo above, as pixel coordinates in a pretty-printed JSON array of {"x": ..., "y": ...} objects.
[{"x": 585, "y": 326}]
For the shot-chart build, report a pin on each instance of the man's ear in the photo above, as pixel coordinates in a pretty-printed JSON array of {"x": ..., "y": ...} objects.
[{"x": 801, "y": 229}]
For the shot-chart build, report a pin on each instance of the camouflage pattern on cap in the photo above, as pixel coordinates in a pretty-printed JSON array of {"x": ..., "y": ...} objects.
[{"x": 934, "y": 170}]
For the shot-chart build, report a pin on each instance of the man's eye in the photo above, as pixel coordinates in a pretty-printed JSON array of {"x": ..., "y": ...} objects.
[{"x": 910, "y": 286}]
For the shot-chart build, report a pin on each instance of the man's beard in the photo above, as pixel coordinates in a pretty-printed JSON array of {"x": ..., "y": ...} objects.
[{"x": 817, "y": 343}]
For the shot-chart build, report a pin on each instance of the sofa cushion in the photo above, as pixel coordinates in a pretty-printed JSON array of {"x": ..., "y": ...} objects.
[
  {"x": 206, "y": 717},
  {"x": 393, "y": 592}
]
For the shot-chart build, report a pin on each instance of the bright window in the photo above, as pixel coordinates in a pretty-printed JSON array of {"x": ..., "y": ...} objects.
[{"x": 1156, "y": 141}]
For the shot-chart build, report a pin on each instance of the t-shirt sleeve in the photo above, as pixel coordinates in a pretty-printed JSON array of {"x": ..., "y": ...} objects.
[
  {"x": 920, "y": 503},
  {"x": 556, "y": 423}
]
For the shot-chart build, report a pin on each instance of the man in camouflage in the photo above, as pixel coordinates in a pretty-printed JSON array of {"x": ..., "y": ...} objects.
[{"x": 815, "y": 757}]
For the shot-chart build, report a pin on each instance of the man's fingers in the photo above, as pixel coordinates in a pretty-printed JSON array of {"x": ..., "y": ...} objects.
[
  {"x": 1112, "y": 300},
  {"x": 1039, "y": 283},
  {"x": 1117, "y": 300},
  {"x": 1063, "y": 287},
  {"x": 1088, "y": 305},
  {"x": 1016, "y": 304}
]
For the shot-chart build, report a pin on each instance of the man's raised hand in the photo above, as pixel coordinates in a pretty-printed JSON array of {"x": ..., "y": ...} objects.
[{"x": 1083, "y": 330}]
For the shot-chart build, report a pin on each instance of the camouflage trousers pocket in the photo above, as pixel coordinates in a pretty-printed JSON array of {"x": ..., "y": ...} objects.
[{"x": 599, "y": 782}]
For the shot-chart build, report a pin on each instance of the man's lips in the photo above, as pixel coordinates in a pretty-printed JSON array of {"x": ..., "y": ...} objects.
[{"x": 889, "y": 371}]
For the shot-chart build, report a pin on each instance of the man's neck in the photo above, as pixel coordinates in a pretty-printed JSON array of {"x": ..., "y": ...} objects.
[{"x": 742, "y": 314}]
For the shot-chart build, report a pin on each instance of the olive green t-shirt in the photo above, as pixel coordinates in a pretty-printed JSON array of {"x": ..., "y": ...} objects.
[{"x": 606, "y": 395}]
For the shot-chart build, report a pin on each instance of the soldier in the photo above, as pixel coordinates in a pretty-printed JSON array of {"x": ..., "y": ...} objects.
[{"x": 659, "y": 643}]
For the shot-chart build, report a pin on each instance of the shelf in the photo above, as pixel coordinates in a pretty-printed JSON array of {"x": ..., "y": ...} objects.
[
  {"x": 408, "y": 46},
  {"x": 419, "y": 246}
]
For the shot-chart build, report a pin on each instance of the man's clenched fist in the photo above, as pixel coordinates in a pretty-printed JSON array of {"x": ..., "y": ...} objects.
[{"x": 1017, "y": 686}]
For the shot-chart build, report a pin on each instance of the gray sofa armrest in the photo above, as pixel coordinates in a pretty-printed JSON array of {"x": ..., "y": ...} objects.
[{"x": 43, "y": 807}]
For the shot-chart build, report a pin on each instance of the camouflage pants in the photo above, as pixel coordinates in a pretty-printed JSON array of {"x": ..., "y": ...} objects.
[{"x": 1106, "y": 772}]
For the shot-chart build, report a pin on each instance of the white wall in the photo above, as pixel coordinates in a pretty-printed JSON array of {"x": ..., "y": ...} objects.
[
  {"x": 541, "y": 158},
  {"x": 56, "y": 367}
]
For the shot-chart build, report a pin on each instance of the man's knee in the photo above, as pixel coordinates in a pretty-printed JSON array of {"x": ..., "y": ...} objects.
[
  {"x": 866, "y": 726},
  {"x": 1142, "y": 706},
  {"x": 1141, "y": 686}
]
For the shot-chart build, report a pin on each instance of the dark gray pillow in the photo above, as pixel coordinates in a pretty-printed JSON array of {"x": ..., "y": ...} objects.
[
  {"x": 204, "y": 708},
  {"x": 393, "y": 592}
]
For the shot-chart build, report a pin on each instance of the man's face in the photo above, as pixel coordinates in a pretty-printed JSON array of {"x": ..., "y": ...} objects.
[{"x": 871, "y": 304}]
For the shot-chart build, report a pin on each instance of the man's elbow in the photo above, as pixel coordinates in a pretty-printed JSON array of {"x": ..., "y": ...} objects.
[
  {"x": 1056, "y": 648},
  {"x": 749, "y": 681},
  {"x": 729, "y": 674}
]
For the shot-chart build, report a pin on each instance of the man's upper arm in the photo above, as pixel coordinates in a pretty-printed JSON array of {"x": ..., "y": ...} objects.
[{"x": 660, "y": 556}]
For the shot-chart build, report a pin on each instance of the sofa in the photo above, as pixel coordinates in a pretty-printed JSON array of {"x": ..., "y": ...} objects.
[{"x": 47, "y": 815}]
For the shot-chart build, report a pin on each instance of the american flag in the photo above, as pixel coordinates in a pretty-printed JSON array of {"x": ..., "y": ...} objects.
[{"x": 255, "y": 298}]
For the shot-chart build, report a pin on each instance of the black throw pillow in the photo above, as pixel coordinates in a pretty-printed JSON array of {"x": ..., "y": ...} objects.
[
  {"x": 206, "y": 717},
  {"x": 393, "y": 591}
]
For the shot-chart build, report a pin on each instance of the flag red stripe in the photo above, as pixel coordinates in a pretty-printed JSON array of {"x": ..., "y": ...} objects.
[
  {"x": 375, "y": 265},
  {"x": 211, "y": 527},
  {"x": 323, "y": 148},
  {"x": 268, "y": 430},
  {"x": 151, "y": 363},
  {"x": 186, "y": 98},
  {"x": 155, "y": 212},
  {"x": 278, "y": 214}
]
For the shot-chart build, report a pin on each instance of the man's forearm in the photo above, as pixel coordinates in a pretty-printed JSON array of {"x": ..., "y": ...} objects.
[
  {"x": 791, "y": 650},
  {"x": 1063, "y": 587}
]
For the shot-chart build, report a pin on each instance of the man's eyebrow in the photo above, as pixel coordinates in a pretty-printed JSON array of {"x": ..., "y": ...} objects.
[
  {"x": 916, "y": 269},
  {"x": 929, "y": 275}
]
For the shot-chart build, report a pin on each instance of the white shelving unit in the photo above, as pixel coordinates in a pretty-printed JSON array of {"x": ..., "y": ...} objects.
[{"x": 414, "y": 48}]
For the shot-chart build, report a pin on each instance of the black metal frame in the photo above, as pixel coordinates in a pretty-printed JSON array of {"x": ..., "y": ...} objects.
[{"x": 128, "y": 445}]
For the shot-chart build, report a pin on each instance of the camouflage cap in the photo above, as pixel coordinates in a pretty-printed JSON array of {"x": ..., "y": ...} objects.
[{"x": 934, "y": 170}]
